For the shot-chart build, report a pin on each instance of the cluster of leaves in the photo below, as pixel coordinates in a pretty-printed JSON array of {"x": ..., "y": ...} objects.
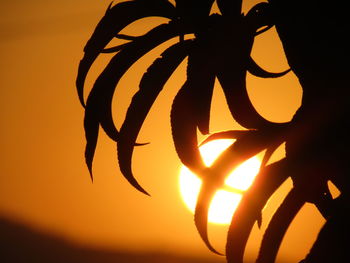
[{"x": 220, "y": 49}]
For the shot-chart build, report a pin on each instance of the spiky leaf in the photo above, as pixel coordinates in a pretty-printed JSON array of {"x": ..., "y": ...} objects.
[
  {"x": 191, "y": 107},
  {"x": 115, "y": 19},
  {"x": 99, "y": 103},
  {"x": 184, "y": 129},
  {"x": 278, "y": 226},
  {"x": 151, "y": 85},
  {"x": 249, "y": 210},
  {"x": 100, "y": 98},
  {"x": 206, "y": 194},
  {"x": 201, "y": 75},
  {"x": 249, "y": 144},
  {"x": 232, "y": 56},
  {"x": 91, "y": 126}
]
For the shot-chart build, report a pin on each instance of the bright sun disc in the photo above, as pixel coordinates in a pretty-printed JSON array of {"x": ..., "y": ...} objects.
[{"x": 225, "y": 201}]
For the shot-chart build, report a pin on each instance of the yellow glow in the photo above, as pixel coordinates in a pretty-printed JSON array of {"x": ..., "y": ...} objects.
[{"x": 225, "y": 201}]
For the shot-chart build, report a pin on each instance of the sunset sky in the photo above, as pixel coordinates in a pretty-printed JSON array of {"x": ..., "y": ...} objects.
[{"x": 44, "y": 182}]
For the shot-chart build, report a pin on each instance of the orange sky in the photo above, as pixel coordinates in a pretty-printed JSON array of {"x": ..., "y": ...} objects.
[{"x": 43, "y": 178}]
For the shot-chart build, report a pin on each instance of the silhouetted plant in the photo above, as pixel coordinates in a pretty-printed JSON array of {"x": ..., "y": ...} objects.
[{"x": 219, "y": 46}]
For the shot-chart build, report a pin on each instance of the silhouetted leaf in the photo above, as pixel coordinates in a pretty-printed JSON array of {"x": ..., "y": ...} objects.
[
  {"x": 100, "y": 97},
  {"x": 115, "y": 19},
  {"x": 249, "y": 209},
  {"x": 233, "y": 53},
  {"x": 212, "y": 180},
  {"x": 191, "y": 108},
  {"x": 201, "y": 75},
  {"x": 240, "y": 106},
  {"x": 151, "y": 84},
  {"x": 91, "y": 126},
  {"x": 227, "y": 43},
  {"x": 278, "y": 226},
  {"x": 184, "y": 129},
  {"x": 126, "y": 37},
  {"x": 99, "y": 102},
  {"x": 257, "y": 71},
  {"x": 206, "y": 194},
  {"x": 249, "y": 144},
  {"x": 115, "y": 48}
]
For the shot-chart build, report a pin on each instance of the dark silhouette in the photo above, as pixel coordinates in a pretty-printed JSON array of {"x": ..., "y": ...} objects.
[
  {"x": 22, "y": 244},
  {"x": 313, "y": 34}
]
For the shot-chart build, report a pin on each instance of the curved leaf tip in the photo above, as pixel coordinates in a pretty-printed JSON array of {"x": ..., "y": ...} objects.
[
  {"x": 205, "y": 197},
  {"x": 254, "y": 69}
]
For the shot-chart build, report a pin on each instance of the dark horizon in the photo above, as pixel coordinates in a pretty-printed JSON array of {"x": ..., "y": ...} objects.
[{"x": 20, "y": 242}]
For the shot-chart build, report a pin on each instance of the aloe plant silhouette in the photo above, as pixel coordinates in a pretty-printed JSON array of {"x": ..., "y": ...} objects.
[{"x": 219, "y": 46}]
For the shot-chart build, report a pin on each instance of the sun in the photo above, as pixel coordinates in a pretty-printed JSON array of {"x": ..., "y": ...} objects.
[{"x": 225, "y": 200}]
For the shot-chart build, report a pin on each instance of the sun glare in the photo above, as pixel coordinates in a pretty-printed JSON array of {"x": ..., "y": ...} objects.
[{"x": 225, "y": 200}]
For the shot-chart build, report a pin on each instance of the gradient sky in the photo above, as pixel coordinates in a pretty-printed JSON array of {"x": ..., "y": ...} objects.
[{"x": 43, "y": 178}]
